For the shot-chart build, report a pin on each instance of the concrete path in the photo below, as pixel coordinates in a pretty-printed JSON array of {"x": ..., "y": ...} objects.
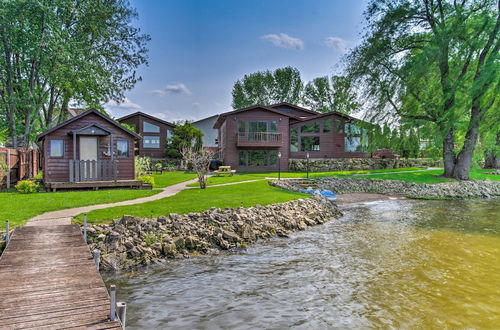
[{"x": 63, "y": 217}]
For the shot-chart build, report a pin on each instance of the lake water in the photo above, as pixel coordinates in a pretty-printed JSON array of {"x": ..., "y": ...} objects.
[{"x": 402, "y": 263}]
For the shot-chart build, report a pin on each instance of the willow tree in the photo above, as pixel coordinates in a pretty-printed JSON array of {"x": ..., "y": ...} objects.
[
  {"x": 432, "y": 62},
  {"x": 53, "y": 53},
  {"x": 335, "y": 93}
]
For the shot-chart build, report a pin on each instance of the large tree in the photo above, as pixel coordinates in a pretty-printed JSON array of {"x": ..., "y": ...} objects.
[
  {"x": 432, "y": 62},
  {"x": 268, "y": 87},
  {"x": 53, "y": 53},
  {"x": 333, "y": 93}
]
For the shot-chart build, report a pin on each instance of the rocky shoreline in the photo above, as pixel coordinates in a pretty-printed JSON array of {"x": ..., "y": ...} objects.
[
  {"x": 449, "y": 190},
  {"x": 132, "y": 242}
]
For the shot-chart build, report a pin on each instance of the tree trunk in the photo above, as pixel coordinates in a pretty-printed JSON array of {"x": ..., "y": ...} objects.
[{"x": 448, "y": 154}]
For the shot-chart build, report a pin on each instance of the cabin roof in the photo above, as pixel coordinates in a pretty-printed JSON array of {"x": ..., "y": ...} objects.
[
  {"x": 140, "y": 113},
  {"x": 223, "y": 116}
]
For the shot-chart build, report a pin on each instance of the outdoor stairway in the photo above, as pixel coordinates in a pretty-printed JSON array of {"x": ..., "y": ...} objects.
[{"x": 48, "y": 279}]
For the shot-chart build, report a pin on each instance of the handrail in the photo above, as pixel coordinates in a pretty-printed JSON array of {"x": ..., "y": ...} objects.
[{"x": 259, "y": 137}]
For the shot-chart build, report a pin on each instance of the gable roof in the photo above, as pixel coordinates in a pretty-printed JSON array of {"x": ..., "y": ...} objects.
[
  {"x": 86, "y": 113},
  {"x": 204, "y": 119},
  {"x": 286, "y": 104},
  {"x": 223, "y": 116},
  {"x": 140, "y": 113}
]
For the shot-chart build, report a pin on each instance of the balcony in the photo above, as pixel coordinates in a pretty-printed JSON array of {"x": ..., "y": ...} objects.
[{"x": 259, "y": 139}]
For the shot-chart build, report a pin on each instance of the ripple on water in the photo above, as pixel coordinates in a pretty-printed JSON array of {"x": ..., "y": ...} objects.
[{"x": 402, "y": 263}]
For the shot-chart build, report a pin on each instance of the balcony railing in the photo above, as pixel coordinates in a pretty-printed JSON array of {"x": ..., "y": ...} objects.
[
  {"x": 92, "y": 170},
  {"x": 270, "y": 139}
]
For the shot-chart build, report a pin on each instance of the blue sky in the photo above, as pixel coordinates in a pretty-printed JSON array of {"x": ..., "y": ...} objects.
[{"x": 198, "y": 48}]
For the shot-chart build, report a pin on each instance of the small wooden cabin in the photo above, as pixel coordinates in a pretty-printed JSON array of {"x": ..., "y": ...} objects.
[{"x": 88, "y": 151}]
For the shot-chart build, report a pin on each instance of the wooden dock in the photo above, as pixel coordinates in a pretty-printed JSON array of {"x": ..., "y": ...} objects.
[{"x": 48, "y": 280}]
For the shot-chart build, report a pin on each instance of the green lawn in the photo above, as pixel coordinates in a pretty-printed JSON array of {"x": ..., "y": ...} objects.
[
  {"x": 323, "y": 174},
  {"x": 432, "y": 176},
  {"x": 18, "y": 208},
  {"x": 170, "y": 178},
  {"x": 213, "y": 180},
  {"x": 196, "y": 200}
]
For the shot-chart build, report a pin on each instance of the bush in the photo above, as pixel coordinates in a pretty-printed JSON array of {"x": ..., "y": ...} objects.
[
  {"x": 142, "y": 166},
  {"x": 27, "y": 187},
  {"x": 147, "y": 179},
  {"x": 38, "y": 176},
  {"x": 158, "y": 166}
]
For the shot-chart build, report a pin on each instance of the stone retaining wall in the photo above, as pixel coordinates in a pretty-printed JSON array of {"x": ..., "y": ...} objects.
[
  {"x": 452, "y": 190},
  {"x": 357, "y": 164},
  {"x": 130, "y": 242}
]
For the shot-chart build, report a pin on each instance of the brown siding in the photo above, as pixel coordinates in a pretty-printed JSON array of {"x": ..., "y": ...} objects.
[
  {"x": 229, "y": 131},
  {"x": 57, "y": 169},
  {"x": 138, "y": 122}
]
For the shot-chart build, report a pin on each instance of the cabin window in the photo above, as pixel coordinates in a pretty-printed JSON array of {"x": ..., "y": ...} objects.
[
  {"x": 309, "y": 143},
  {"x": 258, "y": 157},
  {"x": 170, "y": 134},
  {"x": 310, "y": 128},
  {"x": 152, "y": 142},
  {"x": 150, "y": 128},
  {"x": 56, "y": 148},
  {"x": 294, "y": 139},
  {"x": 340, "y": 127},
  {"x": 327, "y": 125},
  {"x": 352, "y": 144},
  {"x": 241, "y": 127},
  {"x": 351, "y": 129},
  {"x": 122, "y": 148}
]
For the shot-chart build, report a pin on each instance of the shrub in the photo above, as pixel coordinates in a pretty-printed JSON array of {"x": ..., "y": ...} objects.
[
  {"x": 147, "y": 179},
  {"x": 27, "y": 186},
  {"x": 38, "y": 176},
  {"x": 159, "y": 166},
  {"x": 142, "y": 166}
]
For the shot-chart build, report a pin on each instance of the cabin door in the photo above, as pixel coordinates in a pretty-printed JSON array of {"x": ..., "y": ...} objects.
[{"x": 88, "y": 151}]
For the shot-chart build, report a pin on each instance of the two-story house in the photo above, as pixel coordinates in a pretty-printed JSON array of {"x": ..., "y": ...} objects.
[
  {"x": 256, "y": 138},
  {"x": 154, "y": 132}
]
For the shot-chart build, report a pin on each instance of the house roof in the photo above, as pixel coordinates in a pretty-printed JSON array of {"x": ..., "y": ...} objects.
[
  {"x": 223, "y": 116},
  {"x": 140, "y": 113},
  {"x": 86, "y": 113},
  {"x": 206, "y": 118},
  {"x": 281, "y": 104}
]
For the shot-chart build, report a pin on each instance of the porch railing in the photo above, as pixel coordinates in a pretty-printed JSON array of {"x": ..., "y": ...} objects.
[
  {"x": 259, "y": 137},
  {"x": 92, "y": 170}
]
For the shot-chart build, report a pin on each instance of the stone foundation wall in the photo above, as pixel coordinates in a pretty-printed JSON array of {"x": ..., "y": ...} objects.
[
  {"x": 451, "y": 190},
  {"x": 130, "y": 242},
  {"x": 357, "y": 164}
]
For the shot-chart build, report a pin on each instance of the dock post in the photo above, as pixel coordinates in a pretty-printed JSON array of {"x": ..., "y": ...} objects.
[
  {"x": 97, "y": 258},
  {"x": 7, "y": 232},
  {"x": 121, "y": 311},
  {"x": 112, "y": 309},
  {"x": 85, "y": 227}
]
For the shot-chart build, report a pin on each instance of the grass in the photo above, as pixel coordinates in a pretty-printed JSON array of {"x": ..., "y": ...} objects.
[
  {"x": 213, "y": 180},
  {"x": 323, "y": 174},
  {"x": 196, "y": 200},
  {"x": 18, "y": 208},
  {"x": 170, "y": 178}
]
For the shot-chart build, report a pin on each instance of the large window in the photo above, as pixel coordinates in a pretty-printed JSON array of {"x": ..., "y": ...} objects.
[
  {"x": 151, "y": 142},
  {"x": 309, "y": 143},
  {"x": 310, "y": 128},
  {"x": 56, "y": 148},
  {"x": 256, "y": 126},
  {"x": 258, "y": 157},
  {"x": 352, "y": 144},
  {"x": 241, "y": 127},
  {"x": 150, "y": 128},
  {"x": 350, "y": 128},
  {"x": 327, "y": 125},
  {"x": 340, "y": 127},
  {"x": 122, "y": 148},
  {"x": 294, "y": 139}
]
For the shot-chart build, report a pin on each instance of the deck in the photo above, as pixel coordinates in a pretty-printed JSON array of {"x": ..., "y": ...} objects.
[
  {"x": 135, "y": 184},
  {"x": 48, "y": 280}
]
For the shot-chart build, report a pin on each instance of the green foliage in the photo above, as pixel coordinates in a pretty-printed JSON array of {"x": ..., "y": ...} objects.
[
  {"x": 129, "y": 127},
  {"x": 147, "y": 179},
  {"x": 159, "y": 166},
  {"x": 266, "y": 88},
  {"x": 26, "y": 187},
  {"x": 431, "y": 152},
  {"x": 142, "y": 166},
  {"x": 185, "y": 135},
  {"x": 325, "y": 94},
  {"x": 55, "y": 53},
  {"x": 38, "y": 176}
]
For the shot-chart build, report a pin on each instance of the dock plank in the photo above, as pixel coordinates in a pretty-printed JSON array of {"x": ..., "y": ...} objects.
[{"x": 48, "y": 280}]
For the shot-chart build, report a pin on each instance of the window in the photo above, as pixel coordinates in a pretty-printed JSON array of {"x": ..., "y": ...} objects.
[
  {"x": 56, "y": 148},
  {"x": 310, "y": 128},
  {"x": 352, "y": 144},
  {"x": 327, "y": 125},
  {"x": 351, "y": 129},
  {"x": 150, "y": 128},
  {"x": 309, "y": 143},
  {"x": 273, "y": 126},
  {"x": 170, "y": 134},
  {"x": 258, "y": 157},
  {"x": 151, "y": 142},
  {"x": 294, "y": 139},
  {"x": 340, "y": 127},
  {"x": 122, "y": 148},
  {"x": 241, "y": 127},
  {"x": 257, "y": 126}
]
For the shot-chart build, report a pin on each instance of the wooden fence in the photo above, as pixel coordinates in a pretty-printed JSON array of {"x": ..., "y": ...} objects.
[{"x": 17, "y": 164}]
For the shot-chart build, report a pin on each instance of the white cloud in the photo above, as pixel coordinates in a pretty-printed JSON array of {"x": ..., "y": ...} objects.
[
  {"x": 177, "y": 89},
  {"x": 336, "y": 43},
  {"x": 116, "y": 108},
  {"x": 157, "y": 92},
  {"x": 160, "y": 115},
  {"x": 284, "y": 40}
]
